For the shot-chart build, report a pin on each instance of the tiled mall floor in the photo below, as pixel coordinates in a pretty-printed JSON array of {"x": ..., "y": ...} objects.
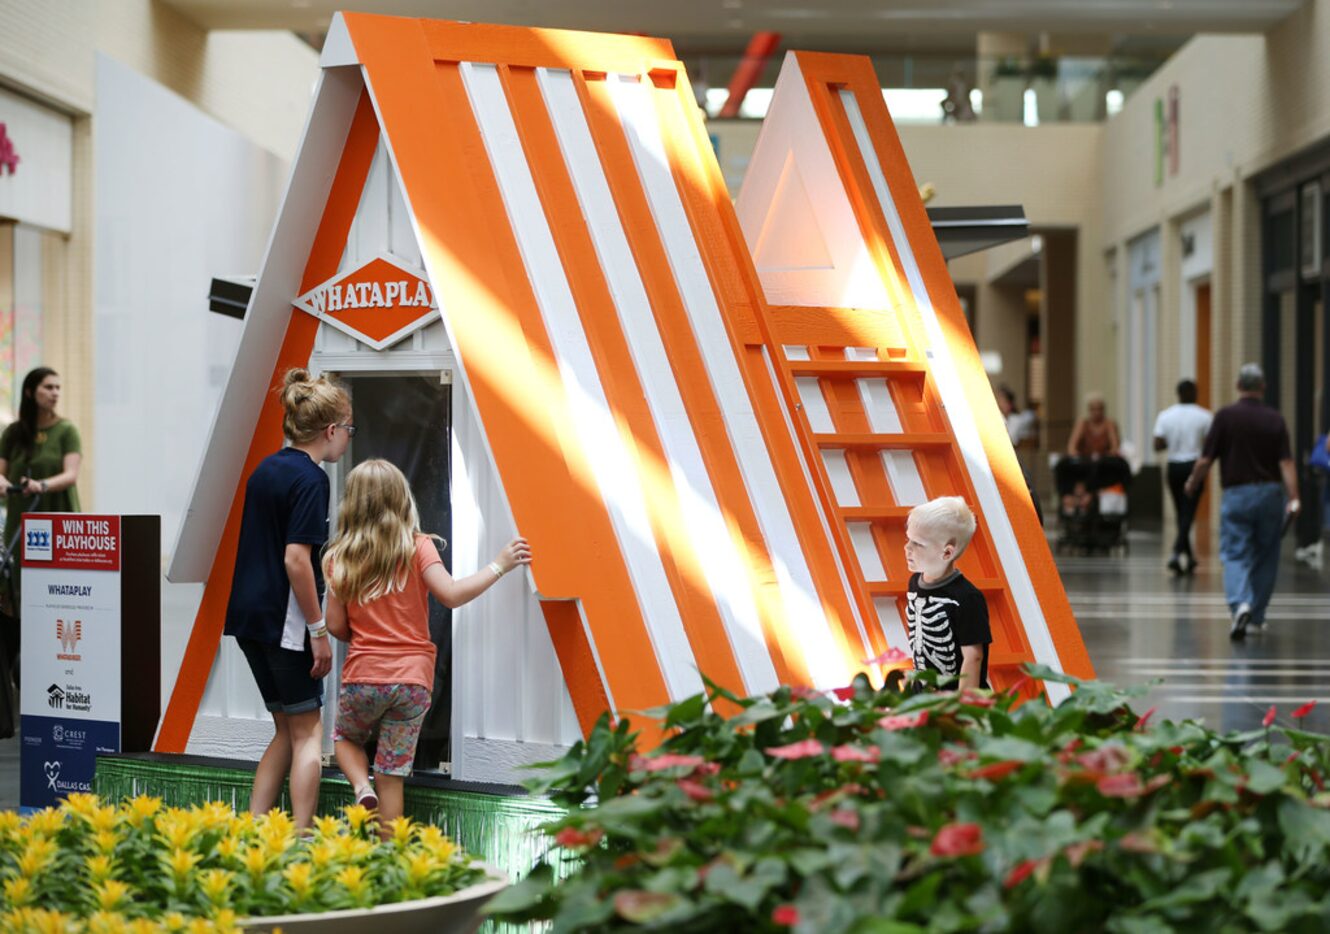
[{"x": 1145, "y": 627}]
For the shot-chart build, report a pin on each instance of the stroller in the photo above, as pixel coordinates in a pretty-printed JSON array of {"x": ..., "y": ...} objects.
[{"x": 1092, "y": 504}]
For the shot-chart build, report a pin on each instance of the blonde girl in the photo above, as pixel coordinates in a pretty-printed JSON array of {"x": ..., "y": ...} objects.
[
  {"x": 274, "y": 609},
  {"x": 381, "y": 570}
]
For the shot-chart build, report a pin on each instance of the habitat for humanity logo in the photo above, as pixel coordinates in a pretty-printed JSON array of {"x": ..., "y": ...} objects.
[
  {"x": 37, "y": 540},
  {"x": 69, "y": 632},
  {"x": 71, "y": 696}
]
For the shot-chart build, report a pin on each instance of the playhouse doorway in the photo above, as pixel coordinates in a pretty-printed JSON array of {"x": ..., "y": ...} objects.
[{"x": 407, "y": 419}]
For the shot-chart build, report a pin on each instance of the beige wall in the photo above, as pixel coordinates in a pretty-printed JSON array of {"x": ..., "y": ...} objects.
[{"x": 258, "y": 83}]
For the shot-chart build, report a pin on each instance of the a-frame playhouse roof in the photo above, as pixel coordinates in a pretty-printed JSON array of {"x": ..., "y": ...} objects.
[{"x": 612, "y": 334}]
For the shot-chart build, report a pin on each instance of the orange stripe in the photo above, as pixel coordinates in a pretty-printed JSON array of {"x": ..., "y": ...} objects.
[
  {"x": 734, "y": 281},
  {"x": 997, "y": 445},
  {"x": 825, "y": 74},
  {"x": 623, "y": 389},
  {"x": 690, "y": 374},
  {"x": 506, "y": 355},
  {"x": 329, "y": 243},
  {"x": 576, "y": 661}
]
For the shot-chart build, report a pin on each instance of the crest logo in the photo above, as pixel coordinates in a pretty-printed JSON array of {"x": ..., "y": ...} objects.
[{"x": 378, "y": 304}]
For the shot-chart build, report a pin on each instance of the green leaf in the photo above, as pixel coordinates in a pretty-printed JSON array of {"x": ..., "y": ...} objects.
[
  {"x": 1264, "y": 778},
  {"x": 524, "y": 900}
]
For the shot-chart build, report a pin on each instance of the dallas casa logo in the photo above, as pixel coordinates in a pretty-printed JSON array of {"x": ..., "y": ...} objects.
[
  {"x": 69, "y": 632},
  {"x": 378, "y": 303}
]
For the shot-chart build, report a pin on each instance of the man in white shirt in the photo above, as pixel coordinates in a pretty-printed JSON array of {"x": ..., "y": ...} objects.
[{"x": 1181, "y": 429}]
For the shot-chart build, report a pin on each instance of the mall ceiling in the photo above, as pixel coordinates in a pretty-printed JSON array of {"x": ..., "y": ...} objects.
[{"x": 868, "y": 26}]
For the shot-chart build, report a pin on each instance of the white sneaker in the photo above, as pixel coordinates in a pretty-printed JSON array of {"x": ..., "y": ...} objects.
[{"x": 1241, "y": 619}]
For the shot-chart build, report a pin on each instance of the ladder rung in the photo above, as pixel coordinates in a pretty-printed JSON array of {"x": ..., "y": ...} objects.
[
  {"x": 898, "y": 588},
  {"x": 875, "y": 513},
  {"x": 883, "y": 442},
  {"x": 856, "y": 369}
]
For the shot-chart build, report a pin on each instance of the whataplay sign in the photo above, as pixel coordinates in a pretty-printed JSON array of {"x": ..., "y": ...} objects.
[{"x": 378, "y": 304}]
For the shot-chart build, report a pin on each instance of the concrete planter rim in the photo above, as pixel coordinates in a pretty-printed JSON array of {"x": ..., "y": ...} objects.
[{"x": 495, "y": 881}]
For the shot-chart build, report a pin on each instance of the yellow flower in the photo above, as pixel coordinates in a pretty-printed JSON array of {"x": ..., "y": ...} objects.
[
  {"x": 37, "y": 921},
  {"x": 327, "y": 825},
  {"x": 137, "y": 810},
  {"x": 182, "y": 862},
  {"x": 276, "y": 822},
  {"x": 174, "y": 921},
  {"x": 99, "y": 867},
  {"x": 242, "y": 824},
  {"x": 36, "y": 856},
  {"x": 215, "y": 883},
  {"x": 106, "y": 922},
  {"x": 45, "y": 822},
  {"x": 110, "y": 893},
  {"x": 224, "y": 921},
  {"x": 176, "y": 828},
  {"x": 322, "y": 853},
  {"x": 418, "y": 868},
  {"x": 357, "y": 816},
  {"x": 103, "y": 819},
  {"x": 81, "y": 804},
  {"x": 353, "y": 849},
  {"x": 438, "y": 845},
  {"x": 256, "y": 861},
  {"x": 228, "y": 847},
  {"x": 18, "y": 891},
  {"x": 105, "y": 841},
  {"x": 401, "y": 828},
  {"x": 215, "y": 814},
  {"x": 352, "y": 878},
  {"x": 10, "y": 821},
  {"x": 144, "y": 926},
  {"x": 299, "y": 876}
]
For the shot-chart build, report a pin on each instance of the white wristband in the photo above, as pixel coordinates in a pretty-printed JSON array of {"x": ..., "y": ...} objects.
[{"x": 496, "y": 570}]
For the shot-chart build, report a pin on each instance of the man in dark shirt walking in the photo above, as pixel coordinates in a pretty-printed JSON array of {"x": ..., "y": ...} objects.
[{"x": 1250, "y": 440}]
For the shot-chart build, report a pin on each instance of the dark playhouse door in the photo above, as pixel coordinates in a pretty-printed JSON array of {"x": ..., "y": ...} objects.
[{"x": 408, "y": 420}]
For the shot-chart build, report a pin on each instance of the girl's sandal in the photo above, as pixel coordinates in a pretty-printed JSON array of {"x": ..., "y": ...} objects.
[{"x": 366, "y": 797}]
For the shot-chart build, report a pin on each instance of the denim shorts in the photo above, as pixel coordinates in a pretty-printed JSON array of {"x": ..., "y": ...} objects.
[
  {"x": 283, "y": 677},
  {"x": 398, "y": 710}
]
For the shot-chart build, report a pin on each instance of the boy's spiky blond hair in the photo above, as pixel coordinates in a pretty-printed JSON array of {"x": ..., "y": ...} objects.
[{"x": 948, "y": 518}]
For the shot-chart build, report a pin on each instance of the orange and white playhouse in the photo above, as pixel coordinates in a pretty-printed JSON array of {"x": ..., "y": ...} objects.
[{"x": 515, "y": 247}]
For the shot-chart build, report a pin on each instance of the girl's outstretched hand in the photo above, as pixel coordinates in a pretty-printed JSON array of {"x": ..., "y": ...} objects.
[{"x": 514, "y": 553}]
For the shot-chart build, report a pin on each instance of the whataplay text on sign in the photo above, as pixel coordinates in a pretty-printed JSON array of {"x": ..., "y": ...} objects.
[{"x": 70, "y": 687}]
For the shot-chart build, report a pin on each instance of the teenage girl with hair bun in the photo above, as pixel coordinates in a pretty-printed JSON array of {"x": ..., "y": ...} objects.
[
  {"x": 274, "y": 611},
  {"x": 381, "y": 571}
]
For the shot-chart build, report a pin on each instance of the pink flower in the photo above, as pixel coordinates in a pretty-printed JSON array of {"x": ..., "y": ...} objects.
[
  {"x": 707, "y": 768},
  {"x": 1123, "y": 785},
  {"x": 1304, "y": 710},
  {"x": 976, "y": 699},
  {"x": 958, "y": 840},
  {"x": 800, "y": 692},
  {"x": 1110, "y": 758},
  {"x": 803, "y": 749},
  {"x": 891, "y": 658},
  {"x": 996, "y": 770},
  {"x": 1076, "y": 852},
  {"x": 903, "y": 721},
  {"x": 851, "y": 753},
  {"x": 847, "y": 819},
  {"x": 1137, "y": 842},
  {"x": 572, "y": 838},
  {"x": 665, "y": 761},
  {"x": 948, "y": 756},
  {"x": 845, "y": 693},
  {"x": 695, "y": 790},
  {"x": 1021, "y": 872},
  {"x": 785, "y": 916},
  {"x": 1145, "y": 718},
  {"x": 1269, "y": 717}
]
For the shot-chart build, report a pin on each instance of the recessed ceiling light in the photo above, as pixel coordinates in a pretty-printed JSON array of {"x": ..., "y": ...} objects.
[{"x": 731, "y": 4}]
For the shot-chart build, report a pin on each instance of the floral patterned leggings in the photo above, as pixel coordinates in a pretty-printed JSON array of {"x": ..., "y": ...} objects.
[{"x": 398, "y": 710}]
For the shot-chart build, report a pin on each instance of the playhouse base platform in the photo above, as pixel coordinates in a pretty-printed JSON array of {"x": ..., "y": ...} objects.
[{"x": 495, "y": 823}]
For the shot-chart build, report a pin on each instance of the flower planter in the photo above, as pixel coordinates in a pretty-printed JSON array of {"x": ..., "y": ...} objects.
[{"x": 458, "y": 913}]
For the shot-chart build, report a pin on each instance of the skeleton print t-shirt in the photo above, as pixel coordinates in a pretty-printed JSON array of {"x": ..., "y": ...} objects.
[{"x": 942, "y": 617}]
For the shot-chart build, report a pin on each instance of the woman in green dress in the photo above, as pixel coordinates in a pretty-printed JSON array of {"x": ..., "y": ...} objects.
[{"x": 39, "y": 454}]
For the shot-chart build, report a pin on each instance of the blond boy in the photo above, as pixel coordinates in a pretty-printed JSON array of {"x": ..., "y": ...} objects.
[{"x": 946, "y": 614}]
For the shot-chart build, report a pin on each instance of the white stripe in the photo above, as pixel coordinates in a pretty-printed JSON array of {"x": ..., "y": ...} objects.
[
  {"x": 815, "y": 404},
  {"x": 962, "y": 422},
  {"x": 870, "y": 562},
  {"x": 796, "y": 352},
  {"x": 604, "y": 448},
  {"x": 842, "y": 481},
  {"x": 803, "y": 608},
  {"x": 892, "y": 621},
  {"x": 720, "y": 560}
]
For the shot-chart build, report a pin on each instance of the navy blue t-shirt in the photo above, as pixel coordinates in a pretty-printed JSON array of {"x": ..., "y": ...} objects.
[{"x": 286, "y": 502}]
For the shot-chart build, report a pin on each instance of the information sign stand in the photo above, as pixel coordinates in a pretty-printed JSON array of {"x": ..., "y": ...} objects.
[{"x": 91, "y": 647}]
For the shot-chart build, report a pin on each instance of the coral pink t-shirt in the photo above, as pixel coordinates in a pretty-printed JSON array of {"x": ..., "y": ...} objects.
[{"x": 390, "y": 641}]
